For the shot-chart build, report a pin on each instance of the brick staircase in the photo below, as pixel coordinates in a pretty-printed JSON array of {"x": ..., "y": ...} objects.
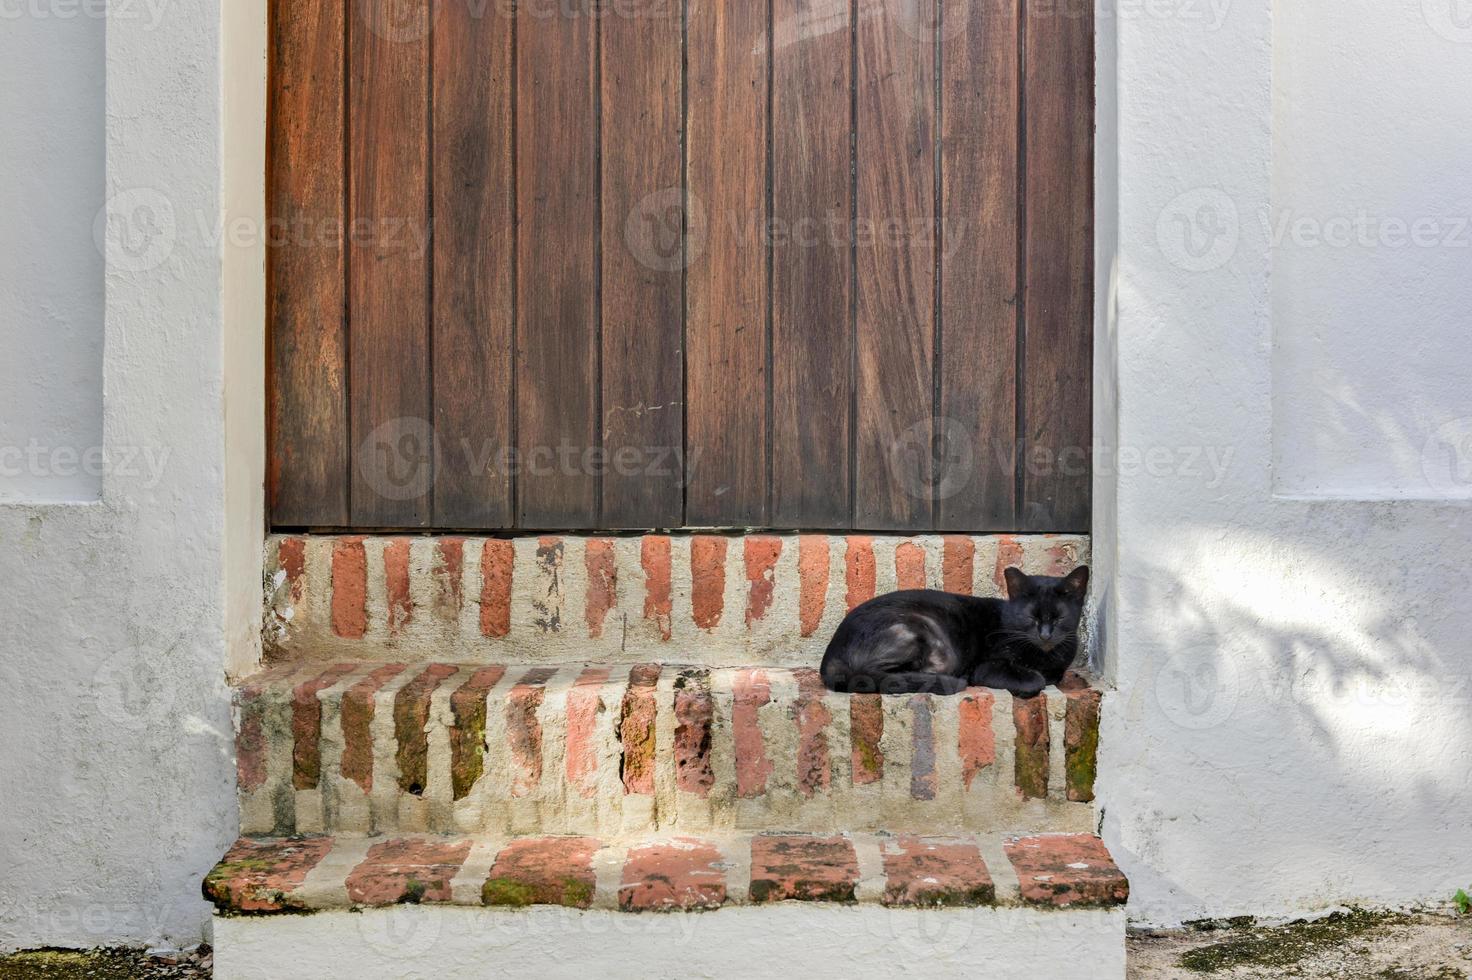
[{"x": 509, "y": 744}]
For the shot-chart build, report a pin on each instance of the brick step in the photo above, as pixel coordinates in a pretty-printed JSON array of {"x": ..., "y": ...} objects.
[
  {"x": 665, "y": 873},
  {"x": 608, "y": 750},
  {"x": 713, "y": 599}
]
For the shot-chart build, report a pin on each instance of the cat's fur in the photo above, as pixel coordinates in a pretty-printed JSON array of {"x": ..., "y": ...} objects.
[{"x": 935, "y": 642}]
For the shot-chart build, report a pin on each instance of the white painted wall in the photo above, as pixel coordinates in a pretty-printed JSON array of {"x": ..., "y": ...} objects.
[
  {"x": 1295, "y": 682},
  {"x": 114, "y": 712}
]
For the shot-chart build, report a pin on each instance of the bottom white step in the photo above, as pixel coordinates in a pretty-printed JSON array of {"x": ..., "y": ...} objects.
[{"x": 791, "y": 939}]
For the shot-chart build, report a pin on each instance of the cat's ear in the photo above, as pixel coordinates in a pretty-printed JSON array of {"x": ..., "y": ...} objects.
[
  {"x": 1076, "y": 583},
  {"x": 1018, "y": 584}
]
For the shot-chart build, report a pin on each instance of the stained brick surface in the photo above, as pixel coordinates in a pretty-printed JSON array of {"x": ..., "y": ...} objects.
[{"x": 1066, "y": 870}]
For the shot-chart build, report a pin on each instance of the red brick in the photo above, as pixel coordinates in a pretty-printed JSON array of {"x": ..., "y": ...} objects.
[
  {"x": 1066, "y": 869},
  {"x": 658, "y": 605},
  {"x": 1062, "y": 559},
  {"x": 1081, "y": 744},
  {"x": 407, "y": 871},
  {"x": 707, "y": 579},
  {"x": 349, "y": 588},
  {"x": 751, "y": 692},
  {"x": 411, "y": 714},
  {"x": 958, "y": 564},
  {"x": 524, "y": 730},
  {"x": 497, "y": 559},
  {"x": 449, "y": 576},
  {"x": 866, "y": 730},
  {"x": 922, "y": 751},
  {"x": 250, "y": 739},
  {"x": 682, "y": 875},
  {"x": 396, "y": 582},
  {"x": 813, "y": 717},
  {"x": 357, "y": 722},
  {"x": 803, "y": 868},
  {"x": 584, "y": 704},
  {"x": 977, "y": 741},
  {"x": 259, "y": 876},
  {"x": 1030, "y": 718},
  {"x": 306, "y": 726},
  {"x": 812, "y": 573},
  {"x": 761, "y": 570},
  {"x": 909, "y": 565},
  {"x": 548, "y": 605},
  {"x": 636, "y": 730},
  {"x": 291, "y": 555},
  {"x": 543, "y": 871},
  {"x": 468, "y": 737},
  {"x": 694, "y": 709},
  {"x": 935, "y": 872},
  {"x": 859, "y": 571},
  {"x": 599, "y": 560},
  {"x": 1009, "y": 555}
]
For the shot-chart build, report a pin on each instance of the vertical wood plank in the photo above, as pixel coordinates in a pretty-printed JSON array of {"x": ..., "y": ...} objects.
[
  {"x": 389, "y": 264},
  {"x": 309, "y": 423},
  {"x": 474, "y": 261},
  {"x": 643, "y": 264},
  {"x": 812, "y": 335},
  {"x": 557, "y": 316},
  {"x": 727, "y": 284},
  {"x": 976, "y": 444},
  {"x": 1057, "y": 409},
  {"x": 896, "y": 264}
]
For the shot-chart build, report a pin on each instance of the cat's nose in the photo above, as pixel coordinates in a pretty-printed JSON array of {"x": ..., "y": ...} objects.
[{"x": 1046, "y": 632}]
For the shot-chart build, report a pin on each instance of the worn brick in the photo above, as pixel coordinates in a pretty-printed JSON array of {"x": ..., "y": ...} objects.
[
  {"x": 935, "y": 872},
  {"x": 250, "y": 737},
  {"x": 762, "y": 553},
  {"x": 349, "y": 588},
  {"x": 407, "y": 871},
  {"x": 812, "y": 573},
  {"x": 584, "y": 704},
  {"x": 396, "y": 582},
  {"x": 680, "y": 875},
  {"x": 1066, "y": 870},
  {"x": 751, "y": 690},
  {"x": 411, "y": 714},
  {"x": 468, "y": 737},
  {"x": 1081, "y": 744},
  {"x": 814, "y": 772},
  {"x": 524, "y": 729},
  {"x": 694, "y": 709},
  {"x": 1030, "y": 717},
  {"x": 543, "y": 871},
  {"x": 1009, "y": 555},
  {"x": 707, "y": 579},
  {"x": 636, "y": 730},
  {"x": 449, "y": 578},
  {"x": 1062, "y": 559},
  {"x": 497, "y": 560},
  {"x": 291, "y": 556},
  {"x": 976, "y": 742},
  {"x": 859, "y": 571},
  {"x": 260, "y": 876},
  {"x": 357, "y": 725},
  {"x": 866, "y": 731},
  {"x": 654, "y": 557},
  {"x": 599, "y": 561},
  {"x": 548, "y": 597},
  {"x": 803, "y": 868},
  {"x": 922, "y": 748},
  {"x": 909, "y": 565},
  {"x": 306, "y": 726},
  {"x": 958, "y": 564}
]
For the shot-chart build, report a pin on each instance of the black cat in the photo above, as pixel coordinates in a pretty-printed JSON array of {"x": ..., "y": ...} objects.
[{"x": 935, "y": 642}]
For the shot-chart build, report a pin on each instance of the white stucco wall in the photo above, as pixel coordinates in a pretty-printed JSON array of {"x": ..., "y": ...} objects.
[
  {"x": 1291, "y": 649},
  {"x": 114, "y": 712}
]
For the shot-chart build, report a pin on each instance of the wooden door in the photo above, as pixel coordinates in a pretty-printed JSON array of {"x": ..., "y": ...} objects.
[{"x": 619, "y": 264}]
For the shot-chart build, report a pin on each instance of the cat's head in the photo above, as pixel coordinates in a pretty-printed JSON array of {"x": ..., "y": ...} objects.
[{"x": 1045, "y": 609}]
